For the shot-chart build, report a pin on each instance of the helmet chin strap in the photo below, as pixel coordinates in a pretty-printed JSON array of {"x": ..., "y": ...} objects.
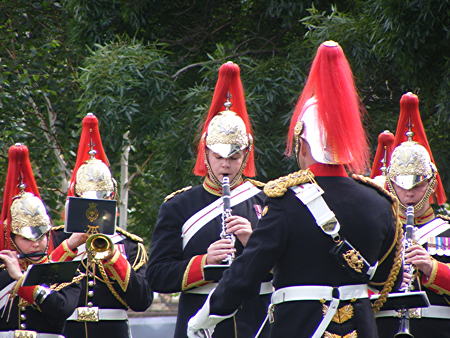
[
  {"x": 419, "y": 205},
  {"x": 28, "y": 259}
]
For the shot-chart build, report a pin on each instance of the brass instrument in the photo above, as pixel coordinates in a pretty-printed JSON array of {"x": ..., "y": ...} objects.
[
  {"x": 409, "y": 268},
  {"x": 225, "y": 214},
  {"x": 99, "y": 246}
]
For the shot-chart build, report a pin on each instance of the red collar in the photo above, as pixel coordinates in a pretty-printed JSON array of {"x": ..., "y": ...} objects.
[
  {"x": 320, "y": 169},
  {"x": 426, "y": 217}
]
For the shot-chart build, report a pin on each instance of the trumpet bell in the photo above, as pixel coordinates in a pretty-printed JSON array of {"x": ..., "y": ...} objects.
[{"x": 99, "y": 246}]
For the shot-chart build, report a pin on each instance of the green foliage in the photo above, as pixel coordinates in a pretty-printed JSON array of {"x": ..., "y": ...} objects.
[
  {"x": 36, "y": 78},
  {"x": 149, "y": 68},
  {"x": 127, "y": 85}
]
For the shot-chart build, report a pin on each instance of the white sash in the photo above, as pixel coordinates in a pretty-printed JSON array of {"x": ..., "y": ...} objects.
[
  {"x": 211, "y": 211},
  {"x": 431, "y": 229},
  {"x": 115, "y": 238}
]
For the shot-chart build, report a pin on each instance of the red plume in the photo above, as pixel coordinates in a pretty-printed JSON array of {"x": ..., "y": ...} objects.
[
  {"x": 410, "y": 119},
  {"x": 330, "y": 81},
  {"x": 384, "y": 151},
  {"x": 229, "y": 82},
  {"x": 19, "y": 172},
  {"x": 90, "y": 139}
]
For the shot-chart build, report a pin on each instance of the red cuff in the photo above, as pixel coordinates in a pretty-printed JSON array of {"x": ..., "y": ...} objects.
[
  {"x": 118, "y": 268},
  {"x": 193, "y": 276},
  {"x": 63, "y": 253},
  {"x": 27, "y": 293},
  {"x": 439, "y": 280}
]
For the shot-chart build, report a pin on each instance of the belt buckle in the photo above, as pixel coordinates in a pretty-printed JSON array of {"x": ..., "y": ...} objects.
[
  {"x": 415, "y": 313},
  {"x": 87, "y": 314},
  {"x": 25, "y": 334}
]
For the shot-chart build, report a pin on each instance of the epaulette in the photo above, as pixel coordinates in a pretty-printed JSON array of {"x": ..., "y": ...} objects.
[
  {"x": 371, "y": 183},
  {"x": 168, "y": 197},
  {"x": 256, "y": 183},
  {"x": 444, "y": 217},
  {"x": 129, "y": 235},
  {"x": 58, "y": 227},
  {"x": 278, "y": 187}
]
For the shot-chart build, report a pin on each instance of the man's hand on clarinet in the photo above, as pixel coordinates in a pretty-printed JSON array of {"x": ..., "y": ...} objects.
[
  {"x": 240, "y": 227},
  {"x": 219, "y": 250},
  {"x": 418, "y": 256}
]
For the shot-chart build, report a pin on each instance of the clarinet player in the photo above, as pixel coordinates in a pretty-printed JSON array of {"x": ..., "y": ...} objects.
[
  {"x": 187, "y": 236},
  {"x": 412, "y": 176}
]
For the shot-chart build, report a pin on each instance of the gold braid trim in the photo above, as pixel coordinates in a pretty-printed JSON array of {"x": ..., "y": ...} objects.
[
  {"x": 168, "y": 197},
  {"x": 129, "y": 235},
  {"x": 141, "y": 257},
  {"x": 278, "y": 187},
  {"x": 101, "y": 268},
  {"x": 398, "y": 241},
  {"x": 58, "y": 227},
  {"x": 77, "y": 279},
  {"x": 256, "y": 183}
]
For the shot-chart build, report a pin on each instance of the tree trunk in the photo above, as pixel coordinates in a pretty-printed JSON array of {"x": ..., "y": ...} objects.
[{"x": 124, "y": 182}]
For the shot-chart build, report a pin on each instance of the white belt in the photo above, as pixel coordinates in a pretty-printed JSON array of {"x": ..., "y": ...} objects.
[
  {"x": 433, "y": 311},
  {"x": 266, "y": 288},
  {"x": 319, "y": 292},
  {"x": 16, "y": 333},
  {"x": 104, "y": 314}
]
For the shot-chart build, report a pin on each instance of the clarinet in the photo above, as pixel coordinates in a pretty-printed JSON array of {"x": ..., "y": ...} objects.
[
  {"x": 409, "y": 268},
  {"x": 226, "y": 212}
]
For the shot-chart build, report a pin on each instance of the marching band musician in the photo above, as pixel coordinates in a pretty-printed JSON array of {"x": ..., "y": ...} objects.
[
  {"x": 324, "y": 234},
  {"x": 117, "y": 282},
  {"x": 38, "y": 310},
  {"x": 187, "y": 233},
  {"x": 412, "y": 176}
]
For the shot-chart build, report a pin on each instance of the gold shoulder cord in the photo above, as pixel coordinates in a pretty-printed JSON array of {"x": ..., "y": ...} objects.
[
  {"x": 106, "y": 280},
  {"x": 256, "y": 183},
  {"x": 58, "y": 227},
  {"x": 278, "y": 187},
  {"x": 168, "y": 197},
  {"x": 389, "y": 284},
  {"x": 141, "y": 257},
  {"x": 76, "y": 279}
]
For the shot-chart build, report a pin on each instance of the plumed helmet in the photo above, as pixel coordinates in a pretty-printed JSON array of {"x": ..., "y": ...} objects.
[
  {"x": 227, "y": 130},
  {"x": 412, "y": 160},
  {"x": 382, "y": 157},
  {"x": 410, "y": 165},
  {"x": 328, "y": 112},
  {"x": 29, "y": 217},
  {"x": 23, "y": 212},
  {"x": 227, "y": 134},
  {"x": 91, "y": 177}
]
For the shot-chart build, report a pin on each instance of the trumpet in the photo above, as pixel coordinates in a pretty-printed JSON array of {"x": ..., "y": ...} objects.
[
  {"x": 99, "y": 246},
  {"x": 407, "y": 242},
  {"x": 225, "y": 214}
]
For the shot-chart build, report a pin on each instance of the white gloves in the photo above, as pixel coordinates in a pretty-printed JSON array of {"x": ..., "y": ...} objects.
[{"x": 202, "y": 325}]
